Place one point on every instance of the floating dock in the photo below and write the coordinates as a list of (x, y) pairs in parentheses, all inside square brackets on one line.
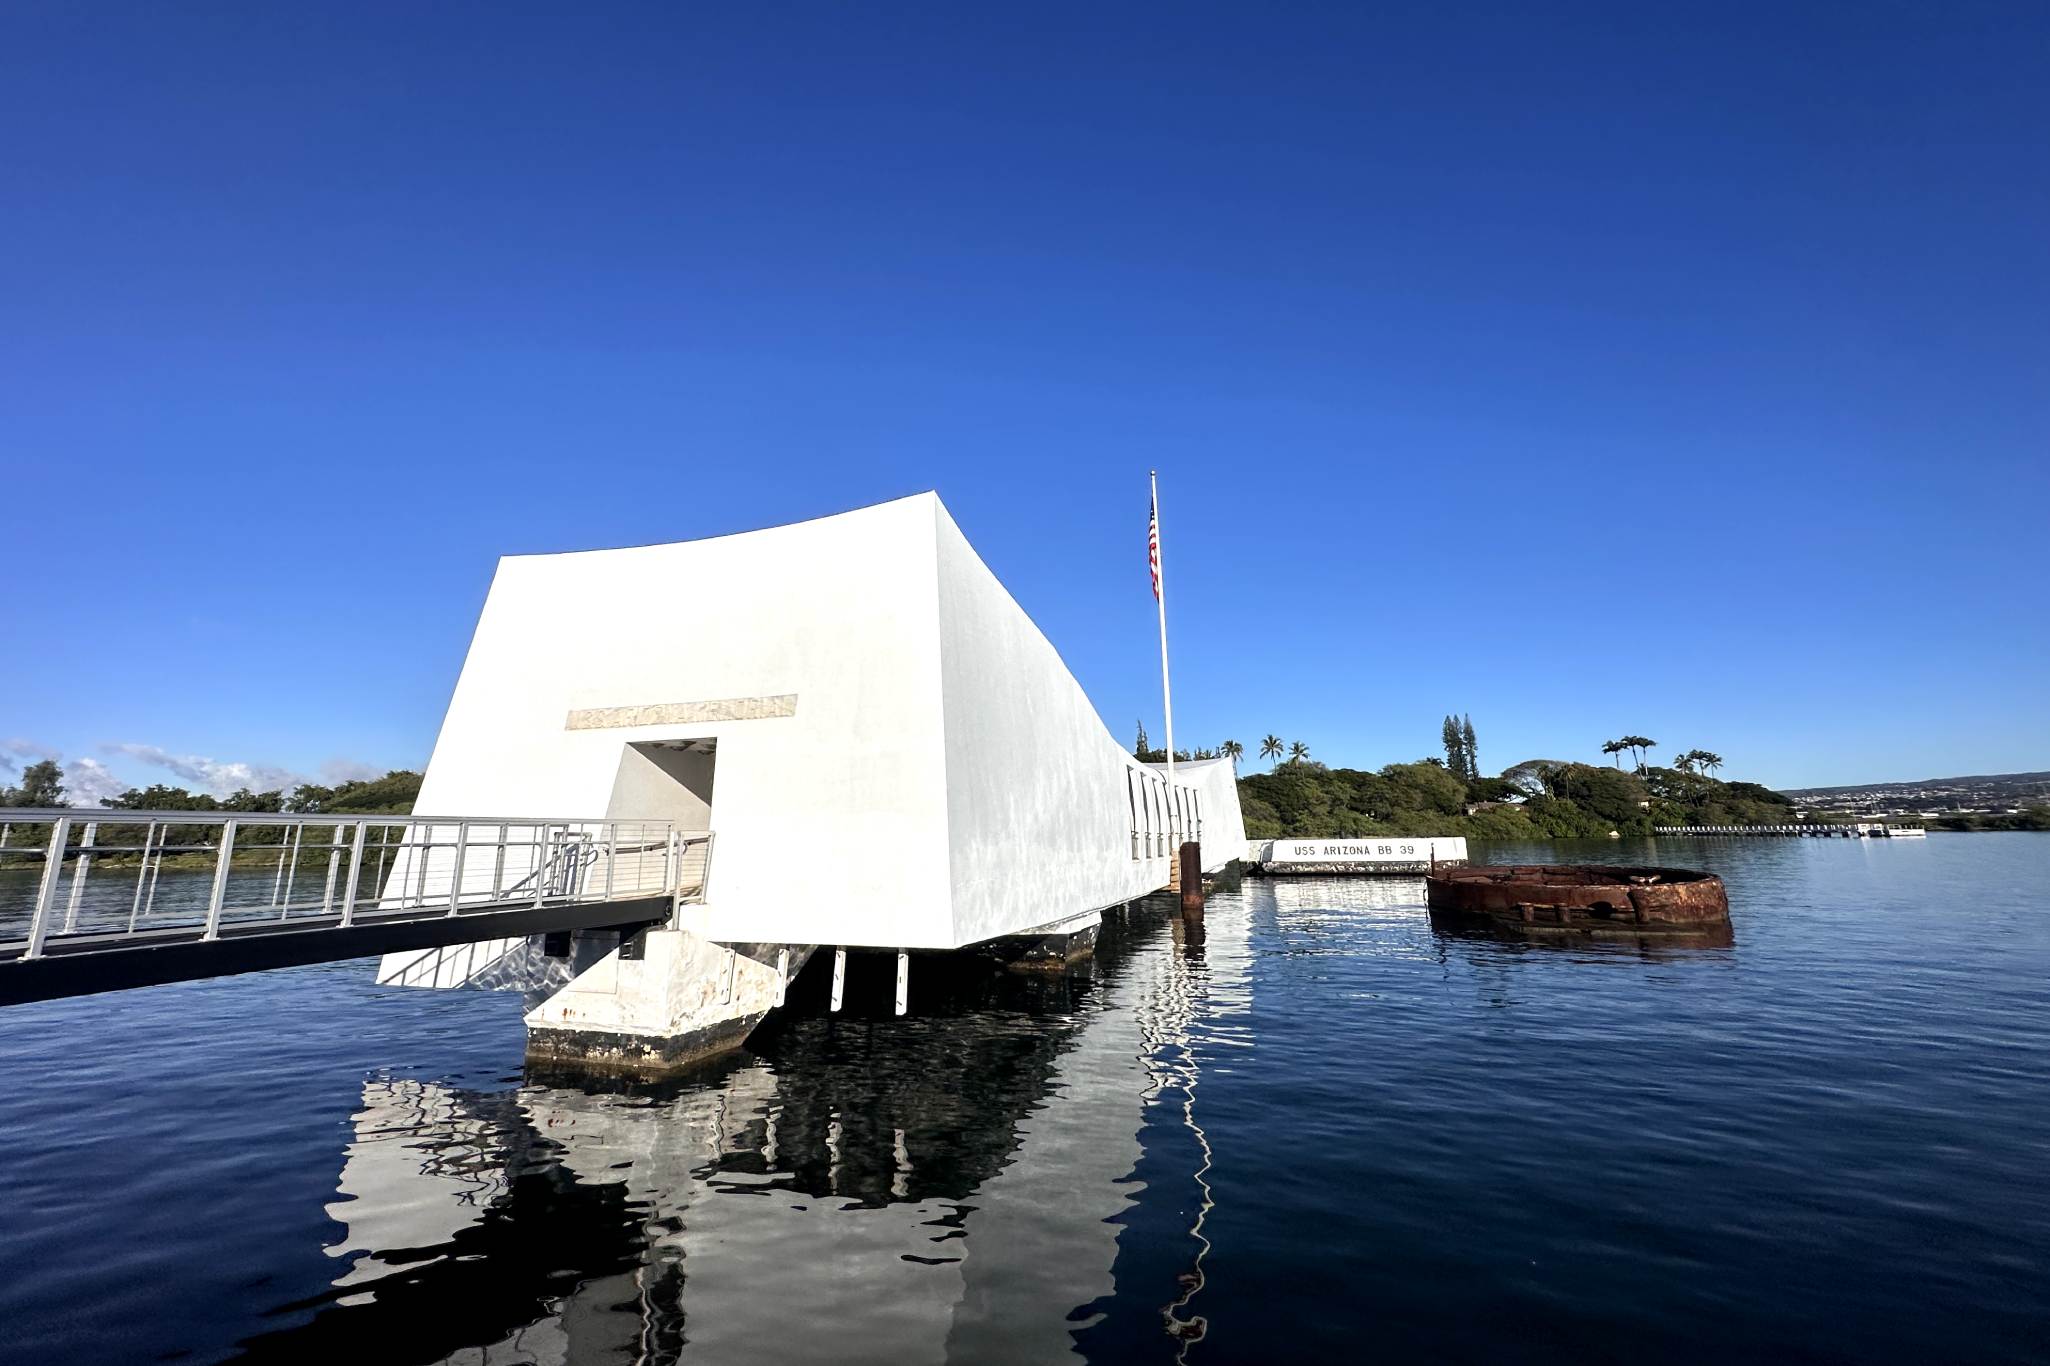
[(1855, 830)]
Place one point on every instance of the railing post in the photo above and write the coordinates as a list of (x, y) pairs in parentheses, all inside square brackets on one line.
[(355, 873), (46, 895), (705, 874), (540, 866), (334, 858), (425, 852), (611, 854), (85, 866), (292, 876), (675, 874), (455, 884), (220, 888), (149, 838), (277, 884), (579, 868)]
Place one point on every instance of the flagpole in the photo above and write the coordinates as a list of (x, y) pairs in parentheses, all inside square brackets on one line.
[(1160, 597)]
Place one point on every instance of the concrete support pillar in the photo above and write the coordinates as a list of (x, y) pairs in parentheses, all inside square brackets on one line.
[(681, 1001), (1191, 861)]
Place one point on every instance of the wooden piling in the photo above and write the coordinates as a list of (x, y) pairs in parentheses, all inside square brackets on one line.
[(1192, 881)]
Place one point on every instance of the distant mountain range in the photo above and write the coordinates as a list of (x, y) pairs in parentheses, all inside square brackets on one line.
[(1990, 792)]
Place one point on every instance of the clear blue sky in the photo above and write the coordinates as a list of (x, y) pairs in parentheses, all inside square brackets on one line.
[(1588, 371)]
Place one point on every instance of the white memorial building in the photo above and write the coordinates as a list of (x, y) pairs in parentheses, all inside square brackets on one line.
[(887, 752)]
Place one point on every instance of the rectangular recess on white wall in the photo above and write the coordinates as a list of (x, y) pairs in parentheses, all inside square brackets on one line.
[(1132, 805), (683, 713)]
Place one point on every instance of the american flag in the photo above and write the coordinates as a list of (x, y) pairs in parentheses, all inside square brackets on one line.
[(1153, 544)]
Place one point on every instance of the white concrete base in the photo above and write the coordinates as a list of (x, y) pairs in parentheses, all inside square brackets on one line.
[(682, 1000), (1089, 921)]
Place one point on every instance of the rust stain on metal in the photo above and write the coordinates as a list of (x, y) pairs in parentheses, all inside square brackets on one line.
[(1190, 858), (1585, 896)]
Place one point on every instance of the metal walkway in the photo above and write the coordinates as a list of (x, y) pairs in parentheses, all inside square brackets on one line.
[(102, 900)]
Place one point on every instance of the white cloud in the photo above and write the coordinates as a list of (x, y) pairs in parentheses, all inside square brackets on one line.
[(88, 782), (335, 772), (219, 777), (17, 753)]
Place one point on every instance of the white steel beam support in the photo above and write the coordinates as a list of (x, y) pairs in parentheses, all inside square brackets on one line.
[(46, 895), (142, 878), (355, 873), (455, 881), (85, 866), (220, 887)]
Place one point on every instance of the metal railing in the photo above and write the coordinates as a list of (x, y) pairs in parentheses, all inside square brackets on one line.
[(111, 873)]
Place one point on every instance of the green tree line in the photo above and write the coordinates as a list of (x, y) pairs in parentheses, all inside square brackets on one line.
[(42, 784), (393, 794), (1536, 799), (2036, 817)]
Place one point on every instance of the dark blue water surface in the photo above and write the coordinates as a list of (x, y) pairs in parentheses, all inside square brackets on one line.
[(1321, 1130)]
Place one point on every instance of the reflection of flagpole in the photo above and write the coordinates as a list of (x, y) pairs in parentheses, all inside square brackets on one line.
[(1167, 1023), (1160, 600)]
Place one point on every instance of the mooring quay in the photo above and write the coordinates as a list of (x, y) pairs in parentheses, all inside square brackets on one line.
[(1868, 830), (893, 755)]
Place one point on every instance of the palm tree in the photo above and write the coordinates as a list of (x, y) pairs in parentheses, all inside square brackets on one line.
[(1297, 752), (1697, 761), (1271, 747), (1637, 744), (1615, 747), (1232, 749)]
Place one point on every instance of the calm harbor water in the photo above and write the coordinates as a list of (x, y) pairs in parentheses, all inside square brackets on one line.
[(1327, 1130)]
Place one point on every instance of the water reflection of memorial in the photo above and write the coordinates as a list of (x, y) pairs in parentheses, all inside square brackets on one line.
[(1308, 915), (928, 1185)]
